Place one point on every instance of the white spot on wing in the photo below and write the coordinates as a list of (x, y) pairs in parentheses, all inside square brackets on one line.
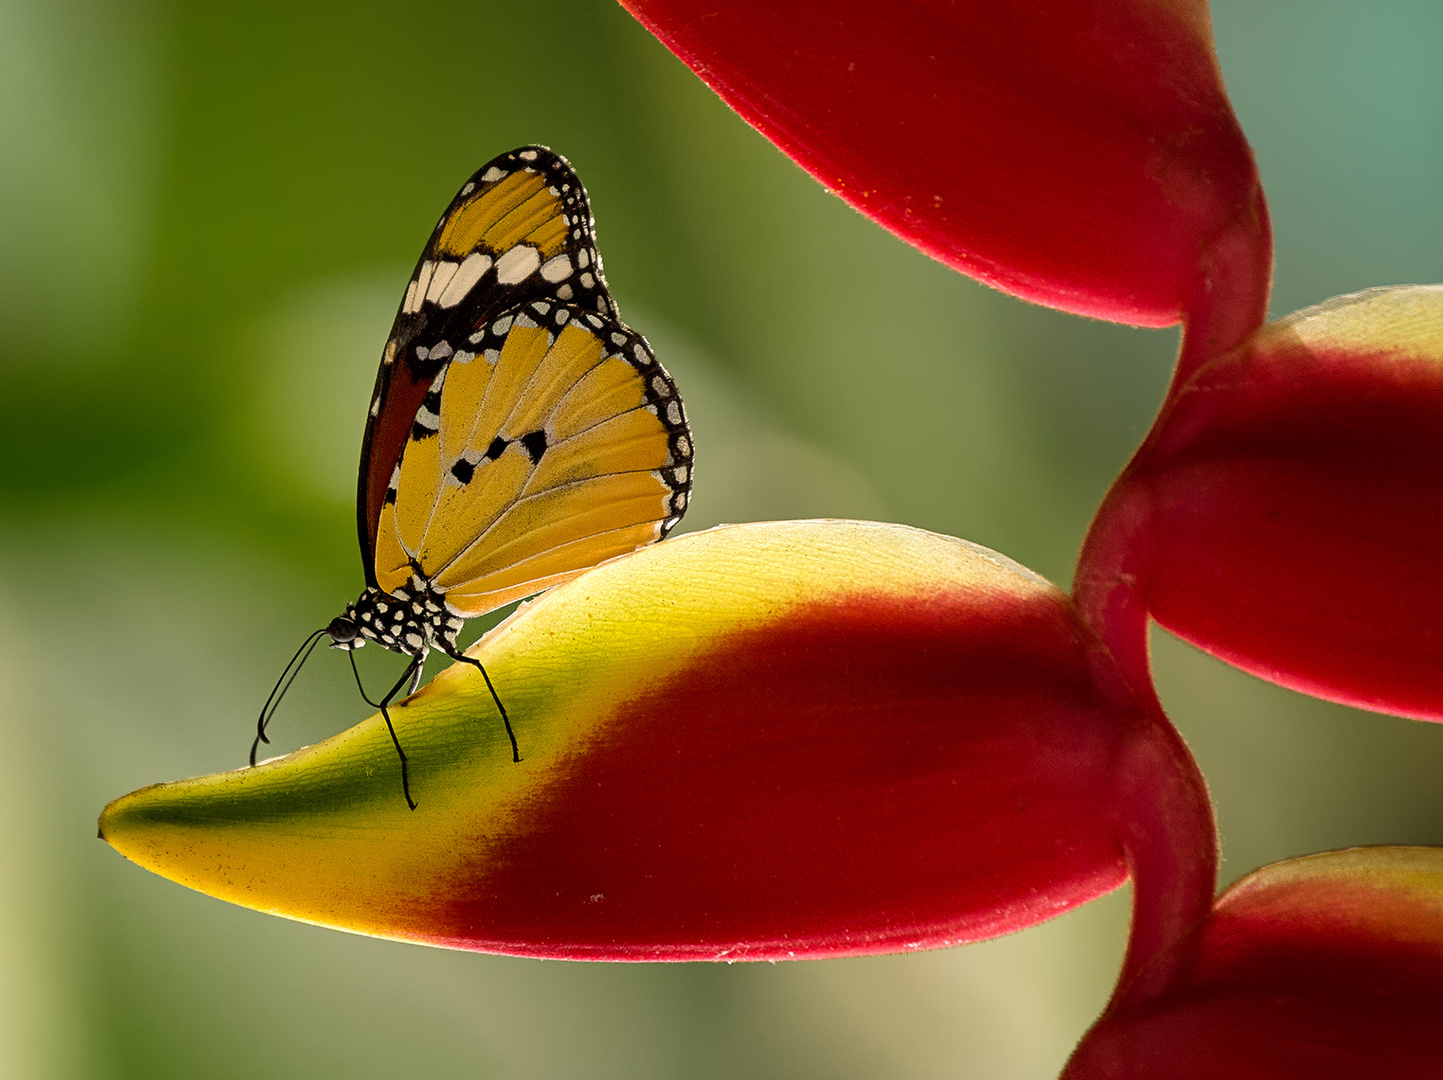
[(557, 269), (440, 278), (491, 175), (517, 264), (423, 282), (411, 305), (466, 276)]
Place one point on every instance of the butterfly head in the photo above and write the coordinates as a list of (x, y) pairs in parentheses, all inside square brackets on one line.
[(344, 632)]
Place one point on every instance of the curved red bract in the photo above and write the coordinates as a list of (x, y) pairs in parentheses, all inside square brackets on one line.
[(1285, 514), (1081, 155), (1326, 977), (860, 779), (757, 742)]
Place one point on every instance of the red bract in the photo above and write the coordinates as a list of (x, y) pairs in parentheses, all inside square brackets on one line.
[(1286, 512), (1323, 968), (1081, 155), (759, 742)]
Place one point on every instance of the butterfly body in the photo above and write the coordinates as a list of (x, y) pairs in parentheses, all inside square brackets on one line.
[(519, 432), (411, 621)]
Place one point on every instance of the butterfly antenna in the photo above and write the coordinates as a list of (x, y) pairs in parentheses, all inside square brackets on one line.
[(288, 676), (410, 672)]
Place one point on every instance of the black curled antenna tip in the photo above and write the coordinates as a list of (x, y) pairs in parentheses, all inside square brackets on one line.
[(288, 676)]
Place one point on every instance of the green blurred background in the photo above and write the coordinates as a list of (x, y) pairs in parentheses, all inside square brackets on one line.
[(207, 215)]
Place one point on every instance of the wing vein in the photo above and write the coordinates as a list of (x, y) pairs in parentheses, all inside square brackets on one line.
[(531, 497)]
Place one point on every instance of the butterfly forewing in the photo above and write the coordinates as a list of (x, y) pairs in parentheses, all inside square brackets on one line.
[(551, 441), (520, 228)]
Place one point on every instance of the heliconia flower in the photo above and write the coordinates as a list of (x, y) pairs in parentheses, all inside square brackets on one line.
[(1082, 155), (1321, 968), (1286, 511), (783, 740)]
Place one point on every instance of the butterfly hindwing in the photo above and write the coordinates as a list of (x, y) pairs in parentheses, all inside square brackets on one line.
[(519, 229), (549, 440)]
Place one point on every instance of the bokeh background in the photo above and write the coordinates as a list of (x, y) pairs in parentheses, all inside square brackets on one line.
[(208, 211)]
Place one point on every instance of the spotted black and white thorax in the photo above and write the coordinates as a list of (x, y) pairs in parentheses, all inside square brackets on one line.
[(411, 621)]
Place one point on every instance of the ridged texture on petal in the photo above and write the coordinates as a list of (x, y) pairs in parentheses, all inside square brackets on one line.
[(795, 739), (1322, 968), (1286, 514), (1081, 155)]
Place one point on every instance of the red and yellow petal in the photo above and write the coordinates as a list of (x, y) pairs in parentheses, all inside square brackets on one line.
[(793, 739), (1321, 968), (1082, 155), (1286, 512)]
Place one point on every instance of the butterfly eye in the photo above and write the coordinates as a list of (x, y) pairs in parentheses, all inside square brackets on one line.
[(342, 631)]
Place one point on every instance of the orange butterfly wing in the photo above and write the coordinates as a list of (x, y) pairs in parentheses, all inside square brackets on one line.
[(519, 229), (549, 441)]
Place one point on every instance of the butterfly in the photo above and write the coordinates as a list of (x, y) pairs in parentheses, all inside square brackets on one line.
[(519, 433)]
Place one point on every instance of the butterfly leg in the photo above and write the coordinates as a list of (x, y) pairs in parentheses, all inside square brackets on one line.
[(463, 658), (416, 678), (410, 673)]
